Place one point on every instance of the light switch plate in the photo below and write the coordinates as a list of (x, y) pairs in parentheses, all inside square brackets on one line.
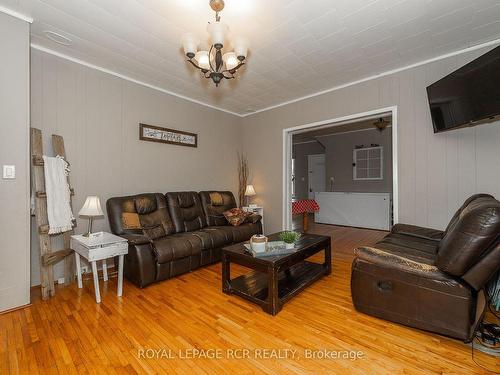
[(9, 171)]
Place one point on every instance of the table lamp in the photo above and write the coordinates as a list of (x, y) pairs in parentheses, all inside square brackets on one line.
[(249, 192), (91, 208)]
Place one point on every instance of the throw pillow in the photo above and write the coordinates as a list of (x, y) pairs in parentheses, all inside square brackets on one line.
[(236, 216), (216, 199), (130, 220)]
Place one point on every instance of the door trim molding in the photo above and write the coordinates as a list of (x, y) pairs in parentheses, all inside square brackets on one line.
[(287, 157)]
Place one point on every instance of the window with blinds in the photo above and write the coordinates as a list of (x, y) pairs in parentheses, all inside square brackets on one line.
[(368, 163)]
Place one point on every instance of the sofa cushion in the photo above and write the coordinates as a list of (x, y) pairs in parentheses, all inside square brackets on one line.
[(186, 211), (150, 208), (175, 247), (244, 231), (414, 248), (145, 204), (474, 232), (469, 200), (204, 238), (415, 231), (214, 210), (218, 237), (223, 232), (153, 232), (240, 233)]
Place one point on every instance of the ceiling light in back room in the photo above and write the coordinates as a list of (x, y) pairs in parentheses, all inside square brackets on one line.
[(58, 38)]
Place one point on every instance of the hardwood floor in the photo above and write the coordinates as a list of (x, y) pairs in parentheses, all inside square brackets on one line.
[(72, 334)]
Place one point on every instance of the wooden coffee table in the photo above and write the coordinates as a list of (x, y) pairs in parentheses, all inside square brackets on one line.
[(276, 279)]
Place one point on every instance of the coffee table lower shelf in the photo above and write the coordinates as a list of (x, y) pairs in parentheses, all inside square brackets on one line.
[(254, 286)]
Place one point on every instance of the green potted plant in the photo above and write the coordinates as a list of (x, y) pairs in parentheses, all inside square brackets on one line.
[(289, 237)]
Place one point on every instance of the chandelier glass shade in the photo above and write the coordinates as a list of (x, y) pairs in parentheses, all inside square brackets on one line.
[(217, 62)]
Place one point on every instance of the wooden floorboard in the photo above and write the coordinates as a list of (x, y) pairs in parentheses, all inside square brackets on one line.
[(70, 333)]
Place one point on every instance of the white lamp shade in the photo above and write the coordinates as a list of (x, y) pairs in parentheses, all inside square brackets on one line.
[(189, 43), (217, 31), (91, 207), (230, 60), (203, 59), (241, 47), (250, 191)]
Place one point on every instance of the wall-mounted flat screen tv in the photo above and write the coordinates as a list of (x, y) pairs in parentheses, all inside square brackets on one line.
[(468, 95)]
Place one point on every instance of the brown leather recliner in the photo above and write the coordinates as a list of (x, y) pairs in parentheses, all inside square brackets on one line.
[(171, 234), (430, 279)]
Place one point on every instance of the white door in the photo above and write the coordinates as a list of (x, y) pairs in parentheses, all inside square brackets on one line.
[(316, 174)]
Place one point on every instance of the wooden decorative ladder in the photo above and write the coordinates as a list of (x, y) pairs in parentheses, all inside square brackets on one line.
[(48, 257)]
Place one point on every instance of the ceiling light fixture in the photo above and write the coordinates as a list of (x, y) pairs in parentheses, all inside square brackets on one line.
[(213, 63), (381, 124)]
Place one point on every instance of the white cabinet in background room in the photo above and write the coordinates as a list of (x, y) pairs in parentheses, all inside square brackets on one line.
[(363, 210)]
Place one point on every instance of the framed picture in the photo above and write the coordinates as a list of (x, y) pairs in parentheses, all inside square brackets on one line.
[(164, 135)]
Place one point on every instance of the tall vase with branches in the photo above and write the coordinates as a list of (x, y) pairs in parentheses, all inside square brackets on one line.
[(242, 177)]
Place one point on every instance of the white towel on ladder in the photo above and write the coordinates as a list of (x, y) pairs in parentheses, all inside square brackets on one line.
[(58, 194)]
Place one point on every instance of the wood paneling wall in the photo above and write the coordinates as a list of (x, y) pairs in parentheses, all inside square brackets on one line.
[(14, 150), (436, 171), (98, 115)]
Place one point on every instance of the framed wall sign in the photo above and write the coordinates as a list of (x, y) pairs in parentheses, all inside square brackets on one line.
[(164, 135)]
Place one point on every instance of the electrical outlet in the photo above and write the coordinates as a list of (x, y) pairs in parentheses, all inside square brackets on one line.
[(60, 280)]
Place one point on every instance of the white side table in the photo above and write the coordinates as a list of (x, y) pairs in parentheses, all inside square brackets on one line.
[(96, 249), (256, 210)]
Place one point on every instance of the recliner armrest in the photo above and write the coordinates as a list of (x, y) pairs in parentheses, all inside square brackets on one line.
[(420, 232), (136, 239), (385, 259)]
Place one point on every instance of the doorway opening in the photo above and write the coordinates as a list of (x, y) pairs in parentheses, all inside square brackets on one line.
[(348, 166)]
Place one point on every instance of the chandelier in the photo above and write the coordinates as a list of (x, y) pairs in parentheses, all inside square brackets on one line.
[(217, 62)]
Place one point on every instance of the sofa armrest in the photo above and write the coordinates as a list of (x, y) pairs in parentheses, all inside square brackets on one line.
[(420, 232), (253, 219), (136, 239), (385, 259), (140, 264)]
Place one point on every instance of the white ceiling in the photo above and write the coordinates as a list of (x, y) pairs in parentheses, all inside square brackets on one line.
[(297, 47)]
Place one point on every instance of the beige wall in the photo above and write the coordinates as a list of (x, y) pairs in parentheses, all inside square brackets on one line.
[(99, 115), (14, 135), (339, 158), (436, 171)]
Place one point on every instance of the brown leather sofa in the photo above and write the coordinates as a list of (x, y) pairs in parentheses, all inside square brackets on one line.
[(174, 233), (429, 279)]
